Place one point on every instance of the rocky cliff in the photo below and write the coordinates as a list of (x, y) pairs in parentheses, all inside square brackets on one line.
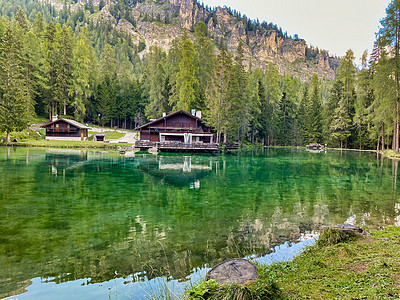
[(158, 22)]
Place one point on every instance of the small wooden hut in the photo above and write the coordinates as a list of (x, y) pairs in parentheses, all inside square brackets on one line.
[(67, 130)]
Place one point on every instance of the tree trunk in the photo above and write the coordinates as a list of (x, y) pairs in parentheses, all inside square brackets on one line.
[(65, 108), (341, 144), (397, 129), (8, 138), (383, 137), (378, 143)]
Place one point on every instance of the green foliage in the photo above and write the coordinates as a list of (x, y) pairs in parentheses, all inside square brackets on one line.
[(261, 289), (390, 232), (362, 268), (333, 236)]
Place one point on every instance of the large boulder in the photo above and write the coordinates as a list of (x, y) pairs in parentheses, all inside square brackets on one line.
[(239, 271)]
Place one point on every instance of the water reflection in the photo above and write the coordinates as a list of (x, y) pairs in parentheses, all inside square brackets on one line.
[(67, 216)]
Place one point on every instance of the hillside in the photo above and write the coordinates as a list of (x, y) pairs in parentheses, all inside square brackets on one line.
[(158, 23)]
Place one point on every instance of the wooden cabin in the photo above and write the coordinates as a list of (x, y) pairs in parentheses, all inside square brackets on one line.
[(178, 131), (67, 130)]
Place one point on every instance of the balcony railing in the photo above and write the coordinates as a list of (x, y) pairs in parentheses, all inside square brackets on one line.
[(62, 130)]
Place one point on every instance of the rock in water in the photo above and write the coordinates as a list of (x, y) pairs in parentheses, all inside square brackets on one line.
[(238, 271), (348, 228)]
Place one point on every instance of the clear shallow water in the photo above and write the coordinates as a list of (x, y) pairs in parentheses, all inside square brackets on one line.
[(103, 225)]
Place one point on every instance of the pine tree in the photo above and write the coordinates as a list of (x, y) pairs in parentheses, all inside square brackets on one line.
[(314, 123), (340, 125), (63, 67), (186, 81), (302, 119), (389, 38), (286, 112), (347, 74), (365, 98), (156, 84), (204, 63), (49, 66), (218, 94), (240, 108), (84, 74), (15, 100), (269, 105)]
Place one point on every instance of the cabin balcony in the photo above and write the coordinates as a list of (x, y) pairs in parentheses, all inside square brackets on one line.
[(62, 130)]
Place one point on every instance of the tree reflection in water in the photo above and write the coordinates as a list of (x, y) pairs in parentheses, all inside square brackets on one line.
[(73, 215)]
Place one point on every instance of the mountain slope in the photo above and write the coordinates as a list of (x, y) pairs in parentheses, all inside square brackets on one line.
[(159, 22)]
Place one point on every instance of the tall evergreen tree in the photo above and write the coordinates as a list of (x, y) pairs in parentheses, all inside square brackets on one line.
[(389, 38), (186, 81), (15, 100), (314, 115), (84, 74), (63, 67), (156, 84), (218, 94), (204, 62)]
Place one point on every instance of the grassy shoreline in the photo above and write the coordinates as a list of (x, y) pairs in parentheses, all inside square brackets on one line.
[(358, 267), (66, 144)]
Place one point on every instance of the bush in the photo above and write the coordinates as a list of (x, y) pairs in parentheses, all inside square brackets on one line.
[(334, 236), (261, 289)]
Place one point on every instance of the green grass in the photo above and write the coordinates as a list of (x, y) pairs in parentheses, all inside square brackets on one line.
[(67, 144), (113, 135), (338, 267), (361, 268)]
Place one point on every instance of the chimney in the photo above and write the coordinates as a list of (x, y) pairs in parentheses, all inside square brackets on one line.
[(164, 114), (54, 118), (193, 112), (198, 114)]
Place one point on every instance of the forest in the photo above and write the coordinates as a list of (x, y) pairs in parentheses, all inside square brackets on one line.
[(67, 64)]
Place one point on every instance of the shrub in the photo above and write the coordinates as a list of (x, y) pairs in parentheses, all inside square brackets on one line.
[(334, 236)]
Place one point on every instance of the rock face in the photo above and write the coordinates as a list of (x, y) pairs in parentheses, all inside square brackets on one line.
[(159, 22), (239, 271)]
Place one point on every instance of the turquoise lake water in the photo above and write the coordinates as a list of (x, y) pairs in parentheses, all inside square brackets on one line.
[(101, 225)]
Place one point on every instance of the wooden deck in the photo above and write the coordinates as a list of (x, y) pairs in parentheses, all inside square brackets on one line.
[(182, 147)]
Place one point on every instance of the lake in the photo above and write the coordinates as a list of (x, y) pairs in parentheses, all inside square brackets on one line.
[(100, 225)]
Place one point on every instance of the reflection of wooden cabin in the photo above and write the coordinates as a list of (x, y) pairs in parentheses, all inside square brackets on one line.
[(179, 131), (65, 129), (314, 146)]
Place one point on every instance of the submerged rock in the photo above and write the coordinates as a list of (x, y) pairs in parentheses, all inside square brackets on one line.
[(239, 271)]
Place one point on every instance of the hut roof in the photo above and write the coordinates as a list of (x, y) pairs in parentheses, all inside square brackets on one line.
[(72, 122), (171, 115)]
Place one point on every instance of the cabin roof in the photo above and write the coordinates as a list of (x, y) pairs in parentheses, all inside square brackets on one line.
[(171, 115), (72, 122)]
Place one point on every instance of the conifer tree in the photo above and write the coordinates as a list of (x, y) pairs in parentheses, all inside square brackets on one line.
[(269, 105), (156, 84), (204, 62), (389, 38), (49, 66), (286, 112), (63, 67), (186, 81), (15, 100), (84, 74), (218, 94), (302, 119), (340, 125), (314, 123), (240, 108)]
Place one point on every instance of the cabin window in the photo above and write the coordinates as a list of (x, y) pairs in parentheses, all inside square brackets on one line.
[(57, 125)]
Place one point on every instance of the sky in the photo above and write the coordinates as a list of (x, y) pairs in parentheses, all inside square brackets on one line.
[(333, 25)]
